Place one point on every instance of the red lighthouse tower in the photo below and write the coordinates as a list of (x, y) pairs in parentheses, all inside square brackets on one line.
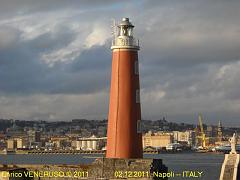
[(124, 127)]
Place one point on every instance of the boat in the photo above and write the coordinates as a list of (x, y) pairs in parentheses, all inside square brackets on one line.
[(174, 147), (9, 152), (226, 148)]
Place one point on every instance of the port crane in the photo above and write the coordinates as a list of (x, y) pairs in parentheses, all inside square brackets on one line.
[(201, 134)]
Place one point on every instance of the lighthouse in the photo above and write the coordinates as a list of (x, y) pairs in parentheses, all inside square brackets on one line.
[(124, 137)]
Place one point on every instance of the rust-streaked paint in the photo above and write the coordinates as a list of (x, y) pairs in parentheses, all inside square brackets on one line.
[(123, 139)]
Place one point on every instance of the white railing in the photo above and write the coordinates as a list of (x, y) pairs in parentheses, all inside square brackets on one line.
[(125, 41)]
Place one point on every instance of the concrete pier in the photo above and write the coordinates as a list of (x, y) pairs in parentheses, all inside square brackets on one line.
[(142, 169), (230, 167), (102, 168)]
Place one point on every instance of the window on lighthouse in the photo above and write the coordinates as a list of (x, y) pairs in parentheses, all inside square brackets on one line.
[(137, 96), (136, 68), (126, 31), (139, 126), (130, 31)]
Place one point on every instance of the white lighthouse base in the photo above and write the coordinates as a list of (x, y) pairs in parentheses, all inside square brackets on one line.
[(229, 169)]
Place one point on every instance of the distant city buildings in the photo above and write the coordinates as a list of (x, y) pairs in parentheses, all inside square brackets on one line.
[(161, 139), (33, 136), (91, 143), (83, 134), (185, 137), (11, 144), (157, 140), (219, 132), (21, 143)]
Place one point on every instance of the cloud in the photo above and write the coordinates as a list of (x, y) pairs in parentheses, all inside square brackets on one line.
[(10, 8), (21, 72), (8, 36), (51, 107)]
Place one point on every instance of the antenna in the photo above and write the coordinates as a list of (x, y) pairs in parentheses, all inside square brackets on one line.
[(114, 28)]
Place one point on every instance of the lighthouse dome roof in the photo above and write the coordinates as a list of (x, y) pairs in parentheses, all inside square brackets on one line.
[(125, 22)]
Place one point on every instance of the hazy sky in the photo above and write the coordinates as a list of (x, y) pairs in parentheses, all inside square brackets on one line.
[(55, 58)]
